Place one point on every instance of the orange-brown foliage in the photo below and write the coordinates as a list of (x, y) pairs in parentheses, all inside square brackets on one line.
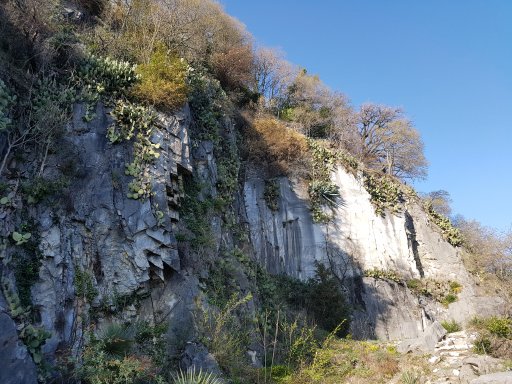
[(283, 150), (234, 67)]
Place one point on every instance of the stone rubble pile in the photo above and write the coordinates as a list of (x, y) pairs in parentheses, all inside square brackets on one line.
[(454, 361)]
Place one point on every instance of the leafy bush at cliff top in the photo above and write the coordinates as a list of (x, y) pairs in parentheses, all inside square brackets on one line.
[(163, 80)]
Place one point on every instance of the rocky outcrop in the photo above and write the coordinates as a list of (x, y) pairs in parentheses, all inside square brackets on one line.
[(127, 251), (287, 241), (453, 360), (494, 378), (125, 248)]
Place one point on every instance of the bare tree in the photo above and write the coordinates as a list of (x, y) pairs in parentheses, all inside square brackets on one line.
[(273, 75), (390, 142), (318, 110), (490, 250), (440, 201)]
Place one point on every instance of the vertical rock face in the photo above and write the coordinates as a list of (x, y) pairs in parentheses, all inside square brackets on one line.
[(287, 241), (16, 365), (126, 248)]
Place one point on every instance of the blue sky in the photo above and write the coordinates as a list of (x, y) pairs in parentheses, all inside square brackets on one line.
[(448, 63)]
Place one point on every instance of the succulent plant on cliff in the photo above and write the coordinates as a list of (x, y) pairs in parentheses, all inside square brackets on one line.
[(450, 233), (191, 376), (21, 238)]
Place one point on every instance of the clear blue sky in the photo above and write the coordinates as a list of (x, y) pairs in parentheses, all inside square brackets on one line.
[(448, 63)]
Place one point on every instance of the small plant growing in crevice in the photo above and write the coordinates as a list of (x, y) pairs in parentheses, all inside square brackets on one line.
[(34, 338), (443, 291), (84, 285), (21, 238), (384, 275), (409, 377), (131, 120), (451, 326), (482, 345), (7, 99), (271, 194)]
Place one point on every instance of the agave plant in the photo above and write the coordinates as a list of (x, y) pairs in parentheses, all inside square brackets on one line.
[(191, 376), (117, 339)]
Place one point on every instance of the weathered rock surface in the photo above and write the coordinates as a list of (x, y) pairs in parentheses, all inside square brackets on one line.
[(453, 360), (196, 355), (288, 241), (426, 341), (125, 247), (494, 378), (16, 364)]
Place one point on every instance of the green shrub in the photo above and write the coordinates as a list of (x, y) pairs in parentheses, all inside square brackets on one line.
[(34, 338), (128, 119), (325, 192), (39, 189), (163, 80), (21, 238), (110, 358), (99, 368), (449, 299), (409, 377), (224, 335), (384, 275), (280, 373), (103, 75), (413, 284), (191, 376), (151, 340), (116, 340), (482, 345), (451, 326), (84, 285), (322, 191), (444, 292), (455, 287), (326, 302), (499, 326), (135, 120)]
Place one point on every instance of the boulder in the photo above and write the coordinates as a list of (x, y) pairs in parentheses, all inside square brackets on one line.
[(494, 378), (425, 342)]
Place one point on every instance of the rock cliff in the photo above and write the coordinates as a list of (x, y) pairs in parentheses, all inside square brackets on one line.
[(103, 254)]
